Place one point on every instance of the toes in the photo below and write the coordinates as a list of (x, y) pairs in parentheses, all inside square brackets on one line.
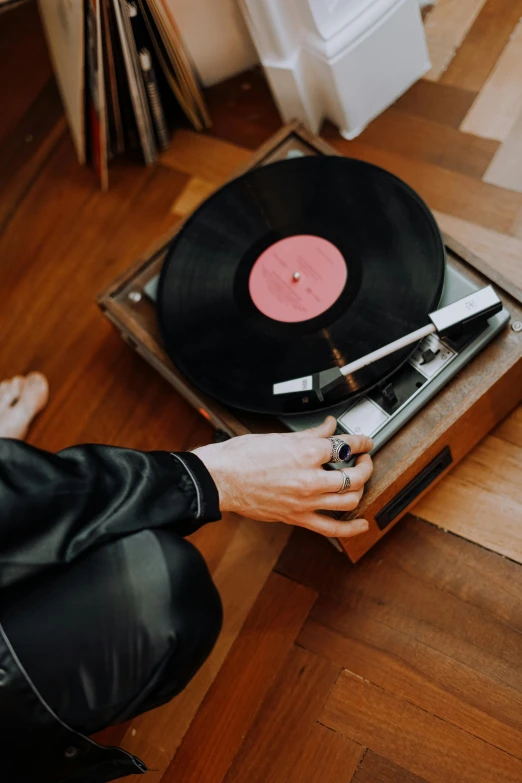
[(35, 393), (3, 391), (17, 387), (10, 391), (20, 400)]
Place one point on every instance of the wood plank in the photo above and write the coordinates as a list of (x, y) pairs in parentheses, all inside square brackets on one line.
[(449, 21), (516, 226), (447, 191), (409, 582), (440, 54), (432, 142), (446, 27), (417, 673), (377, 769), (437, 102), (204, 157), (501, 251), (97, 245), (243, 109), (497, 107), (25, 66), (411, 737), (25, 151), (98, 420), (108, 242), (425, 553), (511, 428), (275, 743), (195, 192), (459, 508), (248, 672), (29, 256), (482, 269), (483, 45), (505, 169), (482, 489), (327, 757), (451, 674)]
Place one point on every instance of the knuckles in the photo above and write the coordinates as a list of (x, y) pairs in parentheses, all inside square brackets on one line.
[(311, 453), (299, 487), (308, 486)]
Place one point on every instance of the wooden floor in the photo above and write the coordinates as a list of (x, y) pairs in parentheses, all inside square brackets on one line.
[(476, 46), (405, 668)]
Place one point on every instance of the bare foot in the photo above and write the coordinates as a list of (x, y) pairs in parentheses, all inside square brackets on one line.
[(21, 399)]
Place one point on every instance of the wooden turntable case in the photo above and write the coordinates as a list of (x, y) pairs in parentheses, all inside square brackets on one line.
[(436, 439)]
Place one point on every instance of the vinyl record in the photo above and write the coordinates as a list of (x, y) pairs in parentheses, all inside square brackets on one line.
[(294, 268)]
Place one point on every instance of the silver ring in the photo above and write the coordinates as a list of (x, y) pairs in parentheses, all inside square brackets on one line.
[(346, 483), (340, 450)]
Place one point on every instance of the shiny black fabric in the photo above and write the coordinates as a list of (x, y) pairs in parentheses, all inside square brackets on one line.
[(105, 609)]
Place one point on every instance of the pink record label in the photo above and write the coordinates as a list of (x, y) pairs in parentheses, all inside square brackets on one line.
[(297, 278)]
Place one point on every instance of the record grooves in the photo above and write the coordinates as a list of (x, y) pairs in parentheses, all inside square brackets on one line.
[(293, 268)]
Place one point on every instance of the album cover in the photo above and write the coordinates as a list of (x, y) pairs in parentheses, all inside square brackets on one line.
[(64, 26), (124, 75)]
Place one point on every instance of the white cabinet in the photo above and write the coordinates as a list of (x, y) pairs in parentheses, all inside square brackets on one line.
[(344, 60)]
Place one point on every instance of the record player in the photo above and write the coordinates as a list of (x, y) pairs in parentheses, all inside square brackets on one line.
[(425, 407)]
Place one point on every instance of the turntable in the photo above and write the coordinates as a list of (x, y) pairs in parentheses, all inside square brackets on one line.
[(255, 354)]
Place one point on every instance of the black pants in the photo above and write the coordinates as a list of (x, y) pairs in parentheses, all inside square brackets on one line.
[(119, 631)]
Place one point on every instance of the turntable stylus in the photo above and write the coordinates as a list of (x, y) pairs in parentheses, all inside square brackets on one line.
[(478, 306)]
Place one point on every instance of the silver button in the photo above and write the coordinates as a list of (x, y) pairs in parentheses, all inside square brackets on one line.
[(71, 752), (4, 677)]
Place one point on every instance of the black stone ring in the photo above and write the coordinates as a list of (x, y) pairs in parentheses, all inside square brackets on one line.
[(340, 450)]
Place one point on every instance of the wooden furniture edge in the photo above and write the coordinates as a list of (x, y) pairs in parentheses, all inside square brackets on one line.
[(485, 269), (503, 389), (217, 414)]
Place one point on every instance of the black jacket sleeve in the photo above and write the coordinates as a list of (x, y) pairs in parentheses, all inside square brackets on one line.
[(54, 507)]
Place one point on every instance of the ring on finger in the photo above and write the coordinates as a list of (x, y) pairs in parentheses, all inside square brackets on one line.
[(340, 450), (346, 482)]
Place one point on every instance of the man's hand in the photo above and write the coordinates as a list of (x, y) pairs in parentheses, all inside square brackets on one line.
[(280, 477)]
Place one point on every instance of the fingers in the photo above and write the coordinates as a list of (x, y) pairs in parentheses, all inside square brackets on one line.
[(348, 501), (323, 430), (323, 486), (332, 480), (332, 527), (321, 448), (359, 444)]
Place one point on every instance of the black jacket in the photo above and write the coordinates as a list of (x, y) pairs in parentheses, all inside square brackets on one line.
[(55, 508)]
